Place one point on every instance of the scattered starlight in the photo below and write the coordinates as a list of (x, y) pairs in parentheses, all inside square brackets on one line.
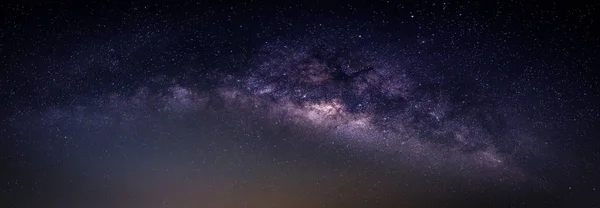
[(378, 104)]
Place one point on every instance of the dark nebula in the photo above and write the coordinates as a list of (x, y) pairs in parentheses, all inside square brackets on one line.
[(307, 104)]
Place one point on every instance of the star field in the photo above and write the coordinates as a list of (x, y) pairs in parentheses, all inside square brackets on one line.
[(306, 104)]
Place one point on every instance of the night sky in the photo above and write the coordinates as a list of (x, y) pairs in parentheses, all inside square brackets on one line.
[(305, 104)]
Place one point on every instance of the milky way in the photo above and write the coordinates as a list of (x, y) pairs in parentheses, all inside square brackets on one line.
[(370, 100), (249, 105)]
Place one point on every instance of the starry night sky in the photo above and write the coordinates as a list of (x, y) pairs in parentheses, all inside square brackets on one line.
[(305, 104)]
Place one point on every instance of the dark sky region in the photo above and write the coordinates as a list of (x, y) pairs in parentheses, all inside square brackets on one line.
[(299, 104)]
